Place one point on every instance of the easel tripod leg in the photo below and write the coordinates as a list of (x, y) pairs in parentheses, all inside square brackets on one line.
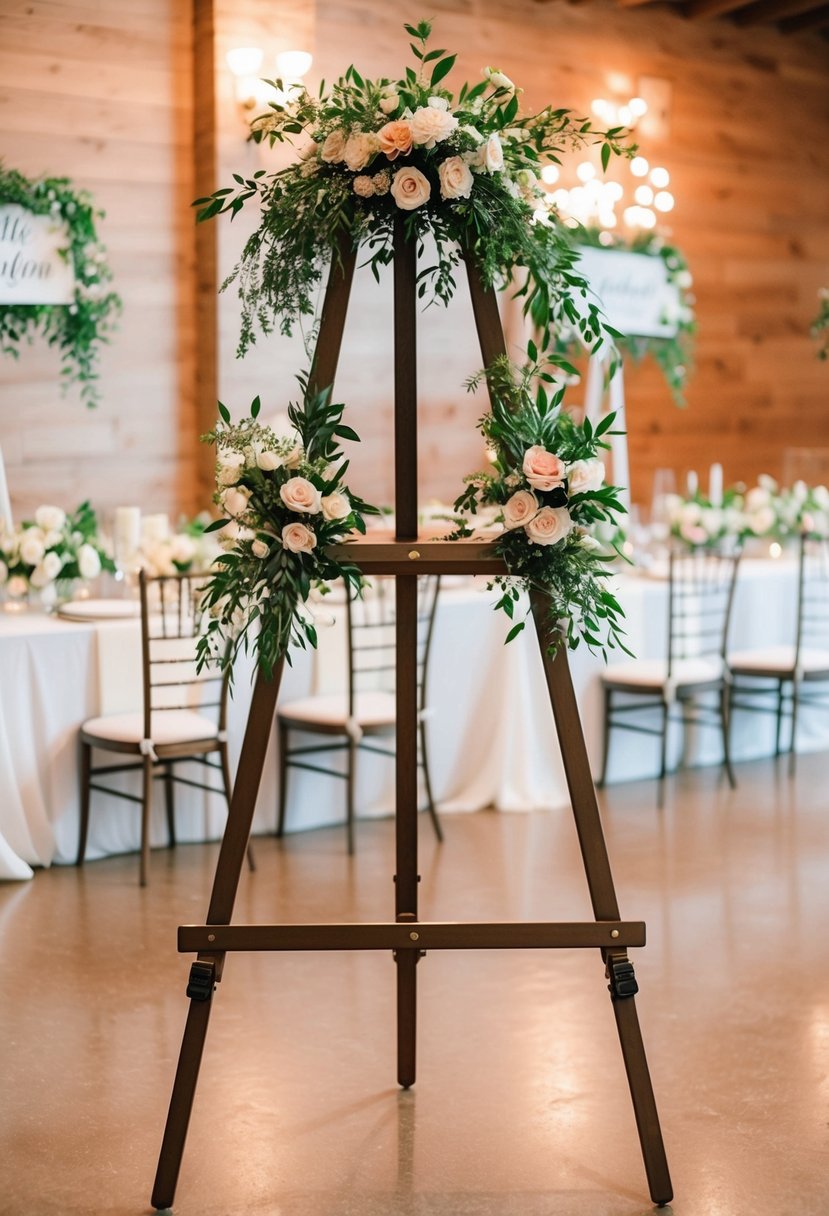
[(406, 876)]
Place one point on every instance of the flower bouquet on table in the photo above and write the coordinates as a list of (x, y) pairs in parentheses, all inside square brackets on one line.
[(547, 479), (283, 501), (698, 522), (52, 552), (460, 168), (780, 513), (192, 548)]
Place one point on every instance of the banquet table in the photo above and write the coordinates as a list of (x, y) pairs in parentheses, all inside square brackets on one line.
[(491, 739)]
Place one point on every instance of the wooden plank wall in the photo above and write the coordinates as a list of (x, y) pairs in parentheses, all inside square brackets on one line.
[(748, 149), (101, 92)]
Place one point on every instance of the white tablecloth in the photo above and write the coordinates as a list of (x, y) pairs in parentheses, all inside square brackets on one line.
[(491, 735)]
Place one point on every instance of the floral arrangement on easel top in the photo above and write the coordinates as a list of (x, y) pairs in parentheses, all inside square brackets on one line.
[(548, 480), (80, 328), (673, 354), (283, 501), (461, 169)]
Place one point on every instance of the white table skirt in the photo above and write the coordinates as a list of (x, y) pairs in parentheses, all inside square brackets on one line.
[(491, 737)]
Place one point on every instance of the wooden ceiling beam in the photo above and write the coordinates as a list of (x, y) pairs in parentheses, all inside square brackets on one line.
[(712, 8), (776, 10), (808, 21)]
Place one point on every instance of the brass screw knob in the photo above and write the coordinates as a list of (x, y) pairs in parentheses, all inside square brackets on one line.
[(211, 937), (414, 936), (614, 932), (413, 555)]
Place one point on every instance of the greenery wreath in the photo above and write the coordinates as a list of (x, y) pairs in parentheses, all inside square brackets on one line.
[(79, 328)]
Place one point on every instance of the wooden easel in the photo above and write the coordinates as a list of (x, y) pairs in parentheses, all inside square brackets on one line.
[(407, 937)]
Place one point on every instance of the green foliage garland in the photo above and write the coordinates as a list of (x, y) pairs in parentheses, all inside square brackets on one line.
[(79, 328)]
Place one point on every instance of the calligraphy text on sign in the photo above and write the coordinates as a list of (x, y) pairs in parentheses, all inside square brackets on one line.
[(633, 291), (32, 267)]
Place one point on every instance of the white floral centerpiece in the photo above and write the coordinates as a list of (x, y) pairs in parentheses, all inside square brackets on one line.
[(547, 479), (51, 552), (192, 547), (766, 511)]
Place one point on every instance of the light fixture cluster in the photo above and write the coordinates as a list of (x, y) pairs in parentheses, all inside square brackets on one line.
[(614, 114), (595, 201), (245, 64)]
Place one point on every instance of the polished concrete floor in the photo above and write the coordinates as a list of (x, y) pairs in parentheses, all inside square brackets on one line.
[(521, 1106)]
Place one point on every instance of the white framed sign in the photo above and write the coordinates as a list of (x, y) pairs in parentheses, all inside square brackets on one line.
[(32, 269), (632, 290)]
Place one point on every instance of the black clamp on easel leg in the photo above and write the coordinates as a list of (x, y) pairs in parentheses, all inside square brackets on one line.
[(202, 981), (620, 972)]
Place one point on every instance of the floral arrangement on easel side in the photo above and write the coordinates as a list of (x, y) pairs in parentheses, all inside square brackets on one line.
[(78, 329), (50, 553), (459, 169), (283, 501), (547, 478)]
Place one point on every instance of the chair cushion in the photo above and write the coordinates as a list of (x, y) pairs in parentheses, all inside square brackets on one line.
[(371, 709), (173, 726), (777, 659), (652, 674)]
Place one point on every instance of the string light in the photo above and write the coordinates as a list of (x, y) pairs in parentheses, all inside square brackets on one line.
[(550, 174), (643, 195), (660, 177), (585, 171), (664, 201), (639, 166)]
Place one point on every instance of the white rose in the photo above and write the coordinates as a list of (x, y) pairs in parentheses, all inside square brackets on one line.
[(268, 461), (363, 186), (32, 547), (298, 494), (409, 188), (50, 519), (520, 509), (549, 526), (4, 572), (493, 157), (235, 500), (309, 150), (89, 561), (761, 521), (359, 149), (51, 538), (298, 539), (335, 506), (585, 476), (684, 279), (259, 549), (333, 149), (294, 458), (455, 178), (430, 126), (51, 566), (821, 497), (182, 549), (229, 468), (498, 80), (757, 497), (389, 104), (17, 586), (473, 132)]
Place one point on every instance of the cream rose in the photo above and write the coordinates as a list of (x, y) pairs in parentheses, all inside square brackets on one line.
[(389, 104), (32, 547), (298, 539), (298, 494), (268, 461), (520, 509), (359, 149), (335, 506), (363, 186), (50, 519), (52, 565), (410, 189), (430, 125), (89, 561), (455, 178), (235, 500), (333, 149), (498, 80), (549, 526), (229, 468), (585, 476), (396, 138), (493, 156), (260, 549), (294, 458), (543, 470)]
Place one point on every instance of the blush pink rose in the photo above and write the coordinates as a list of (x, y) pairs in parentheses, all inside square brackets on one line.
[(543, 470), (299, 494), (549, 526), (410, 189), (520, 509), (396, 138), (298, 539)]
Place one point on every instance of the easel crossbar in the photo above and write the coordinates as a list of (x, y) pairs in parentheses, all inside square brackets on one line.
[(417, 935)]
